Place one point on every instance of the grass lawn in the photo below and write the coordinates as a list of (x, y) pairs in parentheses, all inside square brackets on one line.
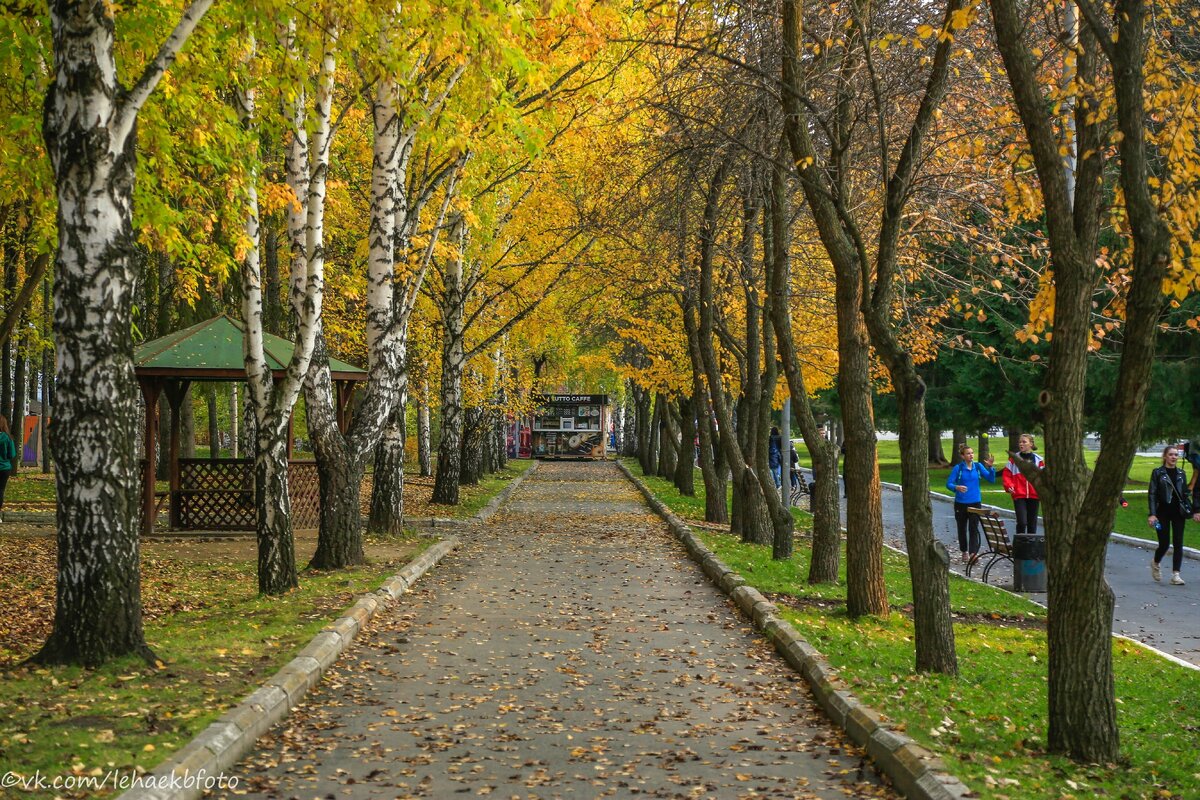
[(1130, 521), (989, 723)]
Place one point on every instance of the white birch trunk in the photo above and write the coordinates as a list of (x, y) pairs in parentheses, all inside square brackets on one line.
[(89, 132)]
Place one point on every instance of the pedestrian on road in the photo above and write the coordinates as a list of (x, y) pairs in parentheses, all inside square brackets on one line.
[(795, 459), (775, 456), (1169, 506), (1024, 496), (8, 459), (964, 482)]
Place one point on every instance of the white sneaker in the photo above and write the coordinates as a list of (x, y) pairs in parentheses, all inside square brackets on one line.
[(1176, 580), (1155, 572)]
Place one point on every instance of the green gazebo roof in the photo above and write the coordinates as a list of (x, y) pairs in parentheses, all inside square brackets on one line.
[(212, 350)]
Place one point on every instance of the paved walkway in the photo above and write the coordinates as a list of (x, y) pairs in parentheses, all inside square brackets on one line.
[(570, 649)]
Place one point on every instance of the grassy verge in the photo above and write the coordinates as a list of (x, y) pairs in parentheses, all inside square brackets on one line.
[(990, 722), (1130, 521), (218, 640), (692, 508)]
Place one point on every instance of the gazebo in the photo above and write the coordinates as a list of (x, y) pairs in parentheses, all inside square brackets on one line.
[(208, 493)]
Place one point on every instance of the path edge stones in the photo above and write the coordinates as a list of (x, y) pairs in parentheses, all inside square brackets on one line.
[(915, 772), (198, 764)]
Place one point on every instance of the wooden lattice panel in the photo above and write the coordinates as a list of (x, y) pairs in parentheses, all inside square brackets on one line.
[(226, 474), (305, 493), (216, 510)]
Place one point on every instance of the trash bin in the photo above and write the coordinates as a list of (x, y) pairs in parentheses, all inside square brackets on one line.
[(1029, 562)]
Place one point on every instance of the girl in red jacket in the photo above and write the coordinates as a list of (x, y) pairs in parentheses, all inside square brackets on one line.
[(1025, 497)]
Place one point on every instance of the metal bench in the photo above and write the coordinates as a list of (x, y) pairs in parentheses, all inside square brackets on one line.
[(998, 544)]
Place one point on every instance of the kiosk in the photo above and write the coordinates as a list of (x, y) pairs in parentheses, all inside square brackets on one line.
[(570, 426)]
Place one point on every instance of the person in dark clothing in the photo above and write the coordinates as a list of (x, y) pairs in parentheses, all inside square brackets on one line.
[(1170, 506), (964, 481), (8, 459), (775, 456), (795, 459)]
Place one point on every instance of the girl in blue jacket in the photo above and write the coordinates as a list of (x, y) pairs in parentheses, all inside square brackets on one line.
[(964, 482)]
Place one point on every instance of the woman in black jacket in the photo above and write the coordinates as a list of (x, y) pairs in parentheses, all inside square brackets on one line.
[(1169, 507)]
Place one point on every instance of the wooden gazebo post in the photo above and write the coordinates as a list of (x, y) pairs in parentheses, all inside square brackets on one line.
[(176, 391), (150, 391)]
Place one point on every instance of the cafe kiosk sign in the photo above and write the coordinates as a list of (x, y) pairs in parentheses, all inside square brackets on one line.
[(570, 426)]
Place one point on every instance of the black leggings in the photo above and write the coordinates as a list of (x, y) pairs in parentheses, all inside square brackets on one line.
[(1171, 534), (3, 485), (963, 519), (1026, 509)]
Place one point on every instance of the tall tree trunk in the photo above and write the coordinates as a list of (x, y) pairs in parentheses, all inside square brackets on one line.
[(629, 438), (685, 474), (273, 316), (187, 425), (473, 444), (276, 545), (826, 532), (668, 446), (387, 489), (424, 459), (340, 468), (20, 385), (11, 251), (214, 431), (445, 487), (47, 377), (643, 429), (89, 125), (866, 592), (937, 455), (960, 438), (654, 423), (233, 420)]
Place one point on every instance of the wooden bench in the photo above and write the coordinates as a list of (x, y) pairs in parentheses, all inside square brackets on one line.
[(998, 544)]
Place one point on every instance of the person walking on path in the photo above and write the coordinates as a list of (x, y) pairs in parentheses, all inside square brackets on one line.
[(964, 482), (1024, 496), (1169, 506), (8, 458), (775, 456)]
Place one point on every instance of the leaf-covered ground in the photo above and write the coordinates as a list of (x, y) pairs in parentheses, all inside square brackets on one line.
[(204, 618), (569, 649)]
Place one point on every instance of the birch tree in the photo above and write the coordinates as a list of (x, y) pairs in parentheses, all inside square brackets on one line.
[(90, 131), (391, 298), (271, 402)]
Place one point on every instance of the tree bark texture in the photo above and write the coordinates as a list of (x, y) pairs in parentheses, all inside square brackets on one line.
[(89, 132), (445, 487), (1079, 508), (685, 474), (424, 458), (866, 593), (474, 442), (826, 511), (387, 489)]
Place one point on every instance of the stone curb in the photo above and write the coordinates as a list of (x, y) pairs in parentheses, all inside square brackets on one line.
[(916, 773), (501, 498), (195, 768)]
